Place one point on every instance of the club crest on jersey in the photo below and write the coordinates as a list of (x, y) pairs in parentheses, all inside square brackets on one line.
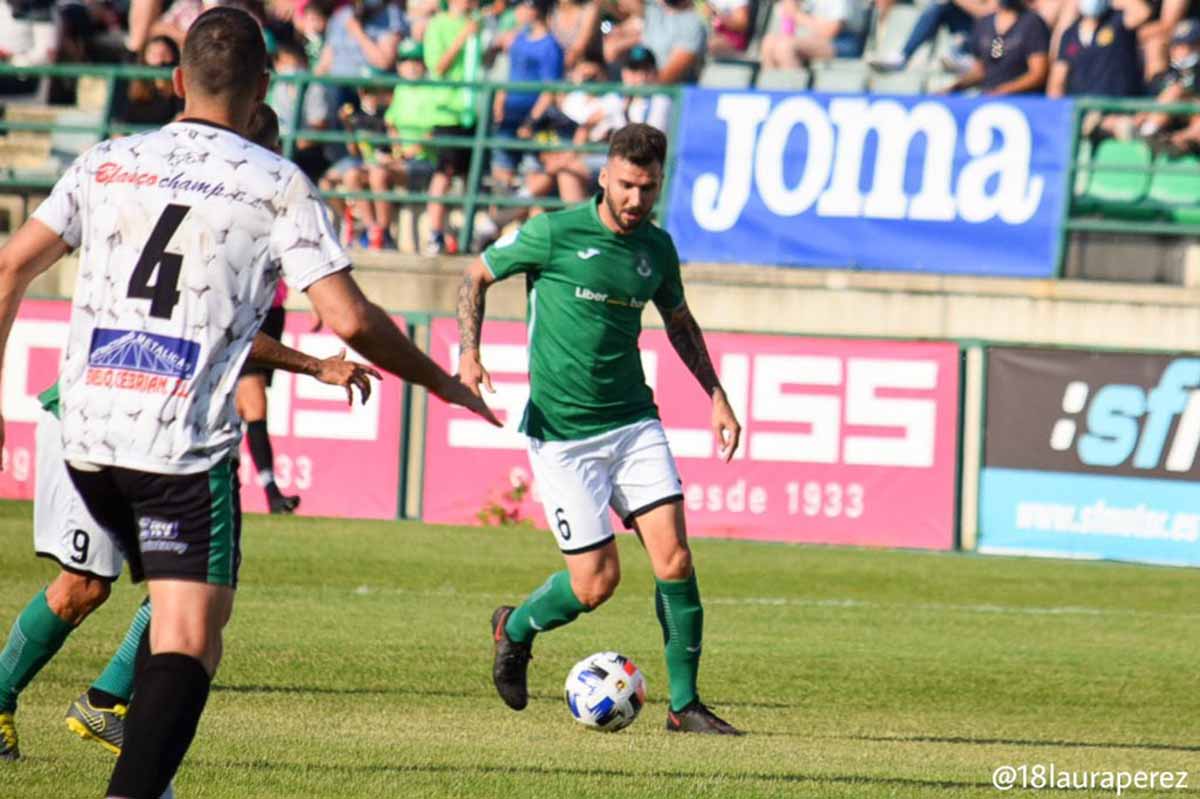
[(643, 265)]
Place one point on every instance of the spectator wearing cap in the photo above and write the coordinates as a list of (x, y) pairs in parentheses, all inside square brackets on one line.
[(640, 69), (534, 57), (671, 29), (453, 52), (1010, 48), (731, 24), (1098, 53), (1157, 35), (1177, 84), (818, 31), (409, 163)]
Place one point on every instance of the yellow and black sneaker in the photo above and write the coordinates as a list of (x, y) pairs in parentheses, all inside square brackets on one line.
[(511, 662), (8, 738), (104, 725), (696, 717)]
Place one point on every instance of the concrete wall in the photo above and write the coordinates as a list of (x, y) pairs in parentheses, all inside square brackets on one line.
[(1077, 312)]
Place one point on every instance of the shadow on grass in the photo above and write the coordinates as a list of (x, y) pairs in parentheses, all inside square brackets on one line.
[(932, 739), (567, 771), (326, 690)]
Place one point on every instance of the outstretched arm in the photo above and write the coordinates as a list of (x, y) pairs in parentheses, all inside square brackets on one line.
[(335, 370), (472, 298), (688, 340), (367, 328)]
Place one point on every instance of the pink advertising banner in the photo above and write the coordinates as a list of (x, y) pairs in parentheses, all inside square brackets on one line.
[(844, 441), (342, 461)]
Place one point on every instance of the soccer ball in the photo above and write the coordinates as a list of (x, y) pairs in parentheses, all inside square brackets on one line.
[(605, 691)]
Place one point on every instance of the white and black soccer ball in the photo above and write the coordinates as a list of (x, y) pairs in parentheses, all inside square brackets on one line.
[(605, 691)]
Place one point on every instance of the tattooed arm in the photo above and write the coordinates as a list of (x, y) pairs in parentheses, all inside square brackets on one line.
[(335, 370), (688, 341), (471, 301)]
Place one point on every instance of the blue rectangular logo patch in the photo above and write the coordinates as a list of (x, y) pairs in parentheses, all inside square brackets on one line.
[(138, 351)]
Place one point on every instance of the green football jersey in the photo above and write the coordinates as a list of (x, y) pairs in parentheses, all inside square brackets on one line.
[(587, 288)]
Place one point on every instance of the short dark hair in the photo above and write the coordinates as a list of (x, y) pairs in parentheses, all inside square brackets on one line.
[(264, 127), (224, 54), (639, 144)]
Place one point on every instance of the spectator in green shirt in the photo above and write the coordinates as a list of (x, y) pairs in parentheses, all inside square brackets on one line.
[(453, 51), (410, 163)]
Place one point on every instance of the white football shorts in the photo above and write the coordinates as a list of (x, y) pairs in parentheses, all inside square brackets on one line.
[(630, 470), (63, 529)]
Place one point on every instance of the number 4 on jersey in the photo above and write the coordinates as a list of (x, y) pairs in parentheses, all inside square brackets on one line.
[(164, 293)]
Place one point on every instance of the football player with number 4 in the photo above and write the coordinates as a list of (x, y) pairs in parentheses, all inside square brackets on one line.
[(595, 439), (184, 233)]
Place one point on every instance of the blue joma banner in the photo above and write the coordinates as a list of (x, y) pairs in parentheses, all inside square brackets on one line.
[(925, 184)]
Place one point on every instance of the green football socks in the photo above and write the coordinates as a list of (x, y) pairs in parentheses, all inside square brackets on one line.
[(117, 677), (36, 636), (552, 605), (677, 603)]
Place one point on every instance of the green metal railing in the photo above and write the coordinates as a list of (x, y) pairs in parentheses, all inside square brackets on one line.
[(473, 196), (1139, 216)]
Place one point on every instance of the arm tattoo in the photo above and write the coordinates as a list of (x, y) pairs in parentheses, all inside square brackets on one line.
[(470, 313), (688, 341)]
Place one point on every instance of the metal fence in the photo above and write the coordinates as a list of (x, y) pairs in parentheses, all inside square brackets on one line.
[(482, 139)]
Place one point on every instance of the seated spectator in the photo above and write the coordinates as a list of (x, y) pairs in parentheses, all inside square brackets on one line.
[(731, 24), (284, 96), (1010, 48), (822, 30), (576, 26), (349, 173), (671, 29), (957, 16), (1178, 84), (453, 51), (1156, 36), (534, 57), (1098, 53), (152, 102), (408, 164)]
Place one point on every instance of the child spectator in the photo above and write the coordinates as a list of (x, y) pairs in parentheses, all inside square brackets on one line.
[(453, 52), (409, 163), (350, 172), (640, 69), (312, 24), (1178, 84)]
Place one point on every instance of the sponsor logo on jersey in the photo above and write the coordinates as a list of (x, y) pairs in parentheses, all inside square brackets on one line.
[(140, 361), (112, 172), (588, 254), (139, 351), (599, 296), (159, 535)]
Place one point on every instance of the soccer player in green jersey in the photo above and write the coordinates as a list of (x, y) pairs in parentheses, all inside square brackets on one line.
[(595, 439)]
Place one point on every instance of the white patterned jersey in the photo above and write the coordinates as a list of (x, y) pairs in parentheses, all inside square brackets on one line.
[(183, 234)]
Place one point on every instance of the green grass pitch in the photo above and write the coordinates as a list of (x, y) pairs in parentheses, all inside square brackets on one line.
[(358, 665)]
